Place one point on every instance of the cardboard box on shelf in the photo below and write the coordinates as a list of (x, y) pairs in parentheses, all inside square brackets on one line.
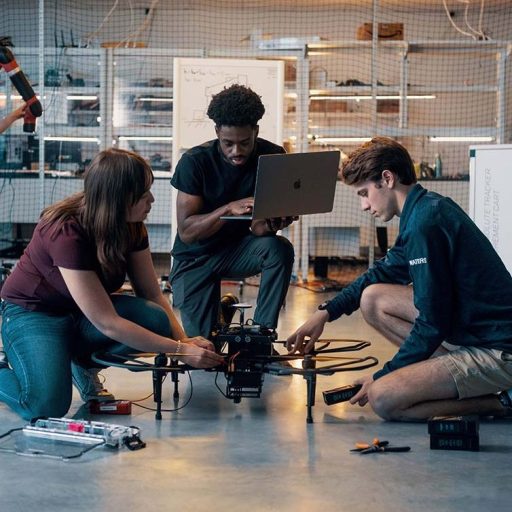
[(328, 107), (290, 72), (34, 166), (388, 106), (124, 44), (389, 31)]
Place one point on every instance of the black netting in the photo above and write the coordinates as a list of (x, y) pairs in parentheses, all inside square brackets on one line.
[(433, 70)]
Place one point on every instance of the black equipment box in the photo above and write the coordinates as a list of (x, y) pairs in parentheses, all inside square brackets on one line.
[(465, 425), (454, 433), (342, 394), (454, 442)]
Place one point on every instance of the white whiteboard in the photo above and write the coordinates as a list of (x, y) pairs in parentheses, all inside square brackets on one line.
[(195, 81), (490, 204)]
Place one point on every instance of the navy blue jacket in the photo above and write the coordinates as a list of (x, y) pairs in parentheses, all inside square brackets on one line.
[(462, 290)]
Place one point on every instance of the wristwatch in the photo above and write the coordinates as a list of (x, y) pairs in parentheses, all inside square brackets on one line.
[(323, 306)]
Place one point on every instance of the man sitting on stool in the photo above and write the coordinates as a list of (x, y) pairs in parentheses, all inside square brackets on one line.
[(218, 178)]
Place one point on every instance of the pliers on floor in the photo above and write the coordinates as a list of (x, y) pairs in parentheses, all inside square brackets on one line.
[(378, 446)]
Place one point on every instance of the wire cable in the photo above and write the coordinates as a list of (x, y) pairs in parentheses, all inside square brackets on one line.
[(187, 401), (89, 36), (218, 387), (454, 24), (146, 23)]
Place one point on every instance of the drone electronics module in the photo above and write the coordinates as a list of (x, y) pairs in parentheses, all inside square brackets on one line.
[(250, 353)]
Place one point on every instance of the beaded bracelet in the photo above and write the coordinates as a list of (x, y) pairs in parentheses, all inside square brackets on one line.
[(178, 346)]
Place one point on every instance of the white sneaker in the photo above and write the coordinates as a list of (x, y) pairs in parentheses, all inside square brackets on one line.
[(89, 384)]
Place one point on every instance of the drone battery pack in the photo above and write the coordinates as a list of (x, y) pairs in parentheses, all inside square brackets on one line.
[(454, 433), (110, 407), (464, 425), (337, 395), (454, 442)]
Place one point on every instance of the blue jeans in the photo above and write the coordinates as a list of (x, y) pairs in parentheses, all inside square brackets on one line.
[(41, 346)]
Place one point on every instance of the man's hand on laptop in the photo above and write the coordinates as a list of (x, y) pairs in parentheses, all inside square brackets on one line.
[(240, 207)]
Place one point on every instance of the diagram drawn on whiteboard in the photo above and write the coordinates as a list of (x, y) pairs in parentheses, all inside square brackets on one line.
[(199, 115), (197, 80)]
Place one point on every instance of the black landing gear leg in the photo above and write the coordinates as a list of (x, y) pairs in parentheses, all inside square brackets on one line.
[(158, 377), (310, 364), (176, 394)]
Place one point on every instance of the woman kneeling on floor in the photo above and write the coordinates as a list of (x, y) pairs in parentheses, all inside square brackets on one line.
[(59, 304)]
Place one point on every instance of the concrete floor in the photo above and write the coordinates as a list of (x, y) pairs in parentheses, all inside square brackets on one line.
[(261, 455)]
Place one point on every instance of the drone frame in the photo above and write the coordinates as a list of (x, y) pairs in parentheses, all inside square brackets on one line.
[(322, 360)]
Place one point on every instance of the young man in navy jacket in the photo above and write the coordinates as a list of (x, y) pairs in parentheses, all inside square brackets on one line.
[(441, 281)]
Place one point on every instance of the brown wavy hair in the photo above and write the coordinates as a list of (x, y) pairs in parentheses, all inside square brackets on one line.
[(115, 180), (369, 160)]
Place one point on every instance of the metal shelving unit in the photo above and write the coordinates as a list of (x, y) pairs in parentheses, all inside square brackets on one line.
[(119, 96)]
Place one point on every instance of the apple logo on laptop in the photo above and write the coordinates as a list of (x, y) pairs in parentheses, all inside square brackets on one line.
[(296, 184)]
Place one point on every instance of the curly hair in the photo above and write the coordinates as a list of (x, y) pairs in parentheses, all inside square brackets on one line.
[(236, 105)]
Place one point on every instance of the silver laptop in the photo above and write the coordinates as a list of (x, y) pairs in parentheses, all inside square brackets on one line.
[(293, 184)]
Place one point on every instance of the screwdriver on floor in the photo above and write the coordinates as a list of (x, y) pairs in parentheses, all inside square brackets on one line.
[(378, 446)]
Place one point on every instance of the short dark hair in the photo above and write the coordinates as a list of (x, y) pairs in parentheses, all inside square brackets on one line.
[(236, 105), (369, 160)]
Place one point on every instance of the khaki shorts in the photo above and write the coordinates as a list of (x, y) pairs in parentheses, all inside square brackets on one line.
[(479, 371)]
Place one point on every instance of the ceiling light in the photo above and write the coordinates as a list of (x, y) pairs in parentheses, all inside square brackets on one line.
[(81, 97), (340, 140), (73, 139), (462, 139), (146, 138), (378, 97), (163, 100)]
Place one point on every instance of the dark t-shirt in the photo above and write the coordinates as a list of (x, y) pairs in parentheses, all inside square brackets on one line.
[(202, 171), (36, 282)]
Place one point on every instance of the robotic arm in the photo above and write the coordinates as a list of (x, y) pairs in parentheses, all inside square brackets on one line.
[(20, 82)]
